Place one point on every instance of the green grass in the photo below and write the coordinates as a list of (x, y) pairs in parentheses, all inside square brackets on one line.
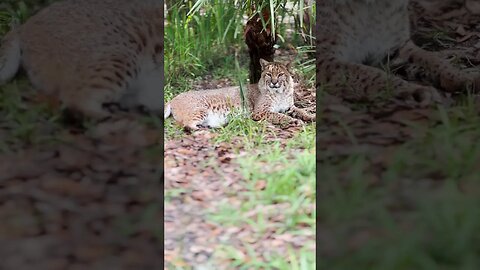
[(194, 43), (211, 38), (241, 125), (423, 214), (303, 260), (447, 149), (23, 124), (286, 175), (225, 68), (441, 233)]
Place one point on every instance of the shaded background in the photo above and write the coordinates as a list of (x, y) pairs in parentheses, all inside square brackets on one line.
[(75, 195), (399, 187)]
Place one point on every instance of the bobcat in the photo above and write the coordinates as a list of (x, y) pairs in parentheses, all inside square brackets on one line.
[(85, 54), (354, 34), (269, 100)]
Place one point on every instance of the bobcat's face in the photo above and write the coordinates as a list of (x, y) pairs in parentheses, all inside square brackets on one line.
[(276, 77)]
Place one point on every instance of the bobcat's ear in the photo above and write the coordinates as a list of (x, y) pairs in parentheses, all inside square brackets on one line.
[(263, 63), (289, 65)]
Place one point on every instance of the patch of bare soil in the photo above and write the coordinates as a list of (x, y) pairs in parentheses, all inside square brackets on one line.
[(89, 201), (207, 177)]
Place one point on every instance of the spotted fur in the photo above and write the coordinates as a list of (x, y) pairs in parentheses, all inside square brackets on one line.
[(355, 36), (271, 99), (88, 53)]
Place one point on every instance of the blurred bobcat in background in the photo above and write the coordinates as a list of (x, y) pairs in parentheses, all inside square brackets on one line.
[(90, 53), (356, 36)]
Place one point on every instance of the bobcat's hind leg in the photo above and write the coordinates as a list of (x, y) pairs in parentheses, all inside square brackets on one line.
[(301, 114), (193, 124), (364, 82), (90, 101), (437, 70), (105, 83), (193, 119), (277, 118)]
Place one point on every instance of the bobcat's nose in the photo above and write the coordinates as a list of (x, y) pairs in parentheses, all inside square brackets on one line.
[(274, 84)]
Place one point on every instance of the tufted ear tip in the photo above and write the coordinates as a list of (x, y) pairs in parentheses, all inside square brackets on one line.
[(289, 65), (263, 63)]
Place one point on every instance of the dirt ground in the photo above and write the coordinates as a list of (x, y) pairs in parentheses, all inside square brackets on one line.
[(90, 200), (189, 235)]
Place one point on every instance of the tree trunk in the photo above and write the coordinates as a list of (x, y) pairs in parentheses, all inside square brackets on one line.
[(260, 43)]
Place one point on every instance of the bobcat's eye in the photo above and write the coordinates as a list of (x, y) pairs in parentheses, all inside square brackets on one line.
[(281, 74), (268, 75)]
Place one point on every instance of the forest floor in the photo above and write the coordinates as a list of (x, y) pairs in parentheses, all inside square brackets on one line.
[(75, 194), (243, 196), (77, 197)]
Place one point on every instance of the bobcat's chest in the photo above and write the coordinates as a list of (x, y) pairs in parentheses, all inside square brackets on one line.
[(371, 31), (281, 104)]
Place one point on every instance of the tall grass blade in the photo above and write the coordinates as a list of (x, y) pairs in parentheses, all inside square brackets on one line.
[(272, 16), (241, 83)]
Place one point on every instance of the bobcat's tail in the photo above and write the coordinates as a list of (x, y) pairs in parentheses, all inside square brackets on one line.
[(10, 56), (168, 110)]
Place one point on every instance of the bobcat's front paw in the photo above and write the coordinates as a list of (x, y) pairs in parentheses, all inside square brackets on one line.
[(451, 83), (302, 114), (422, 96), (428, 96), (89, 103), (296, 123), (460, 83), (310, 117), (190, 127)]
